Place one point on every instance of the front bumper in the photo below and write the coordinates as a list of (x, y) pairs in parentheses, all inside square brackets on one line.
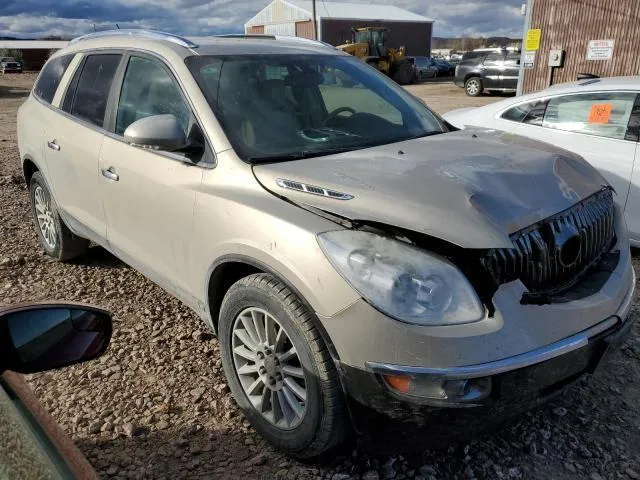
[(459, 82), (516, 384)]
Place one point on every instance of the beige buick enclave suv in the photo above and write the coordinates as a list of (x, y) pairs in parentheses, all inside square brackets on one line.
[(357, 257)]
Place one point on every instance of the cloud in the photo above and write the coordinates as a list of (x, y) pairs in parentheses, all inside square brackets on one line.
[(69, 18)]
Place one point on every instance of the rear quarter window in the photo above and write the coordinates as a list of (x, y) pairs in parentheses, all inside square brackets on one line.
[(531, 113), (49, 79), (91, 94)]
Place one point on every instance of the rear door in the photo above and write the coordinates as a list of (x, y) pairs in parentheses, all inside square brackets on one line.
[(492, 69), (593, 125), (73, 142), (511, 69)]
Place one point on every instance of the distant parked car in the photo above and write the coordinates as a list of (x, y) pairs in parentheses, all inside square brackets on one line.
[(492, 70), (34, 338), (10, 65), (596, 118), (425, 67), (445, 69)]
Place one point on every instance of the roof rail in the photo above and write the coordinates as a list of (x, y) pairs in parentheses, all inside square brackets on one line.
[(133, 32), (292, 38), (246, 35)]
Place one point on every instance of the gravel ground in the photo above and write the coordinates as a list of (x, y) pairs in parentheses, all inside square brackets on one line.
[(156, 404)]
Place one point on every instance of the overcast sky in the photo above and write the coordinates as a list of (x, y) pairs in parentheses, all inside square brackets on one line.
[(38, 18)]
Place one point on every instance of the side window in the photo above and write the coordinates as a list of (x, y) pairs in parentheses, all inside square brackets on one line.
[(91, 94), (148, 89), (494, 58), (530, 113), (49, 79), (633, 132), (512, 59), (601, 114)]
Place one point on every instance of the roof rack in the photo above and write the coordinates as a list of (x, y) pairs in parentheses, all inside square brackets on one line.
[(290, 38), (133, 32)]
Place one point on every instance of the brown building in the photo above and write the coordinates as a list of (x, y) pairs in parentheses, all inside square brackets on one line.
[(599, 37), (335, 21)]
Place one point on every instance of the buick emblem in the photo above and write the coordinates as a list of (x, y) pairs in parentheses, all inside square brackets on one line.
[(568, 245)]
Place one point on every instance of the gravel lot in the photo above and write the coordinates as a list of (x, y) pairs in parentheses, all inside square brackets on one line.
[(157, 406)]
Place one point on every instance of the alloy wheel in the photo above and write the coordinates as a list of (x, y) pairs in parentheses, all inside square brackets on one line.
[(44, 215), (473, 87), (269, 369)]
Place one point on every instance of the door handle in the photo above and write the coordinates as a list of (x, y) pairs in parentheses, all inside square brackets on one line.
[(53, 145), (110, 174)]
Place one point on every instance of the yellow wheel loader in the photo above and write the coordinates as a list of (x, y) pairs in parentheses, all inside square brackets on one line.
[(368, 44)]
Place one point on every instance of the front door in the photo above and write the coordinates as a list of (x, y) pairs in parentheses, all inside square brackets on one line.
[(633, 202), (73, 142), (149, 195)]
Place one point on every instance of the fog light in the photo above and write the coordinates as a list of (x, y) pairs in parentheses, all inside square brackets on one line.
[(456, 388), (458, 391), (467, 390)]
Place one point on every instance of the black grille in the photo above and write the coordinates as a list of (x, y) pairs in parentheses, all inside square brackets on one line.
[(552, 255)]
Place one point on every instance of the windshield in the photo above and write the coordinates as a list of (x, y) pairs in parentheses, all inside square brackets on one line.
[(280, 107)]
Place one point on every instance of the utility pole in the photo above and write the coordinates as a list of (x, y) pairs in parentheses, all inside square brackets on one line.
[(527, 25), (315, 23)]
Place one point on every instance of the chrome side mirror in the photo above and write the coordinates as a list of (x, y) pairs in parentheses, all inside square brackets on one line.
[(159, 132)]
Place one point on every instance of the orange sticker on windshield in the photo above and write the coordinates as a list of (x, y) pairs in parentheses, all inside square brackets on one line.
[(600, 113)]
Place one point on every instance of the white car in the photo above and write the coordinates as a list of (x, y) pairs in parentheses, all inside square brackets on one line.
[(596, 118)]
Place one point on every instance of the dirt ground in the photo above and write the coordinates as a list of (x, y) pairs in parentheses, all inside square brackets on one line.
[(156, 404)]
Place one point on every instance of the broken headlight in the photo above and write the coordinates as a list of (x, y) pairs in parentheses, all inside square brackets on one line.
[(402, 281)]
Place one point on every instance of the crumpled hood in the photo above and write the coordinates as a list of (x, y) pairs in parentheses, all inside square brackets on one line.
[(472, 188)]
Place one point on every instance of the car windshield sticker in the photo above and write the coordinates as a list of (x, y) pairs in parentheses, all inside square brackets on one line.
[(600, 112)]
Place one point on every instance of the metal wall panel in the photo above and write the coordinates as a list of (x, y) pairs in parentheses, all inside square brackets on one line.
[(570, 24), (305, 29), (278, 12), (288, 28), (254, 30)]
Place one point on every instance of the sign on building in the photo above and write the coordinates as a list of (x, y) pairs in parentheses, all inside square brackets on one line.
[(528, 60), (532, 41), (600, 49)]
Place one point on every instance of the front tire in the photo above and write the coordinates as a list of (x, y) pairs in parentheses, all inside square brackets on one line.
[(279, 369), (54, 236), (473, 86)]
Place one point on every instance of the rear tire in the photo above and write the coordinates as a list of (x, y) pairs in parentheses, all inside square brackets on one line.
[(473, 86), (54, 236), (404, 74), (262, 384)]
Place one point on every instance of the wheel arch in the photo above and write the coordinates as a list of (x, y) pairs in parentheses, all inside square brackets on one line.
[(228, 269), (29, 167), (471, 75)]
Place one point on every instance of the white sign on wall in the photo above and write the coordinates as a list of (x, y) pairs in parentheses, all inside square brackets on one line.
[(528, 60), (600, 49)]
